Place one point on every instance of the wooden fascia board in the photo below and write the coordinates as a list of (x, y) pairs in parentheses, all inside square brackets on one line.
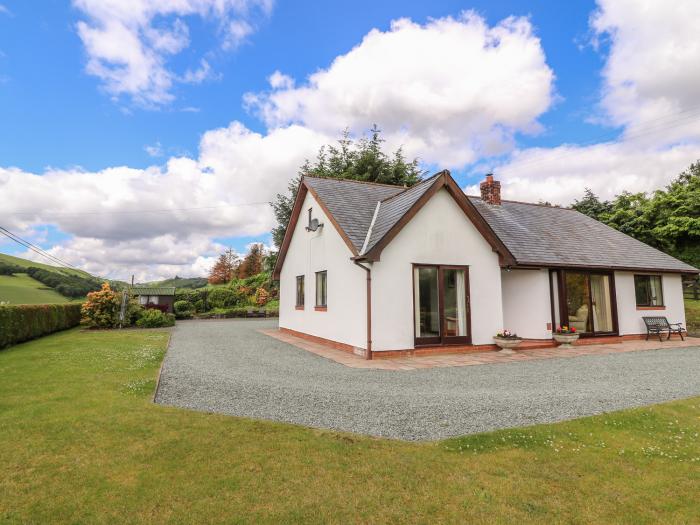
[(296, 212), (446, 181)]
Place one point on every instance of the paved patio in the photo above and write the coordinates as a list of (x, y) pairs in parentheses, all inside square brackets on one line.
[(229, 367), (475, 358)]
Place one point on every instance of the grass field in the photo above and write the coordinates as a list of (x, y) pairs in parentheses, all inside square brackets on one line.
[(692, 315), (83, 443), (25, 263), (22, 289)]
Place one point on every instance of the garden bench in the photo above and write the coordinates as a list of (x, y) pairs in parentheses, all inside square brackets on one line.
[(659, 325)]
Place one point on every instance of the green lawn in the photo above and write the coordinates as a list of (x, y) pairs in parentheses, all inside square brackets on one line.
[(692, 315), (83, 443), (22, 289)]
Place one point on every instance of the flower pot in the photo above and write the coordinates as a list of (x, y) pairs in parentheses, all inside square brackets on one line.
[(506, 344), (566, 340)]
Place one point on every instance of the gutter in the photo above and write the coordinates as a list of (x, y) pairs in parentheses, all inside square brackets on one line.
[(368, 352)]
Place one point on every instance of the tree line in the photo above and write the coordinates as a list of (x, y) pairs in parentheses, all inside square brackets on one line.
[(667, 219)]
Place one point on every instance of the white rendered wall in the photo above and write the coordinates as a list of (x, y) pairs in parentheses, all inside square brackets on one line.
[(630, 319), (526, 305), (310, 252), (440, 233)]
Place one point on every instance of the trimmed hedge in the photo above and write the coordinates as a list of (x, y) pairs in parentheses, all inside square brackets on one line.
[(25, 322)]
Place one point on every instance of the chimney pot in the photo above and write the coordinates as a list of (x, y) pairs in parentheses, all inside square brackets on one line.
[(491, 190)]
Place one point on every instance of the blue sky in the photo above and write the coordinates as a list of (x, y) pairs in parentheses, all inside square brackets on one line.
[(61, 123), (55, 115)]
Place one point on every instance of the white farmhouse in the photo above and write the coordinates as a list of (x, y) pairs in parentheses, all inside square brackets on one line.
[(372, 268)]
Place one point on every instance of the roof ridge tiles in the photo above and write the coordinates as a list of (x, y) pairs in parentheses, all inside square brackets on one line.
[(355, 181)]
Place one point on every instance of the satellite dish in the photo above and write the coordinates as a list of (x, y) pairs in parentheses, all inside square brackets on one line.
[(313, 225)]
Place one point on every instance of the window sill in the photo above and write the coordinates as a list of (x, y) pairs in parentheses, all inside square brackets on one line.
[(299, 307), (320, 308), (651, 307)]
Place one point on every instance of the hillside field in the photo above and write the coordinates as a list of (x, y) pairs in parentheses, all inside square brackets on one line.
[(24, 263), (22, 289)]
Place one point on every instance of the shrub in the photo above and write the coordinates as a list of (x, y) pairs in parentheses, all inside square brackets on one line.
[(261, 296), (67, 285), (155, 319), (25, 322), (101, 310), (183, 309), (222, 298), (199, 306), (9, 269)]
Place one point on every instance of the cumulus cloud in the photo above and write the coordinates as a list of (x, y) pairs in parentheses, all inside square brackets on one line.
[(128, 44), (650, 86), (560, 175), (150, 220), (451, 91), (651, 78)]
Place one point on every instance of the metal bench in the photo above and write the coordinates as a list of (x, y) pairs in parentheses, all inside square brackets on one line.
[(659, 325)]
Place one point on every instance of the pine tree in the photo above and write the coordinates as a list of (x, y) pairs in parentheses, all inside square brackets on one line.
[(362, 160)]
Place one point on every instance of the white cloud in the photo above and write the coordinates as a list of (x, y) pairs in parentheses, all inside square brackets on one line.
[(560, 175), (650, 87), (115, 215), (128, 44), (651, 78), (451, 90), (4, 10)]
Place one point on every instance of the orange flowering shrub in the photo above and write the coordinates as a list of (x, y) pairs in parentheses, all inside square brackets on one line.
[(262, 296), (101, 310)]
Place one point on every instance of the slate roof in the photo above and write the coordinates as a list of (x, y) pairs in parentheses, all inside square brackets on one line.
[(535, 235), (545, 235), (153, 290), (351, 203), (393, 208)]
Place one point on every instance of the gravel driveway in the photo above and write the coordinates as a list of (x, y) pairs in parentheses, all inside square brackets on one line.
[(229, 367)]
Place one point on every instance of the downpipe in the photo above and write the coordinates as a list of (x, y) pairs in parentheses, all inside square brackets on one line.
[(368, 270)]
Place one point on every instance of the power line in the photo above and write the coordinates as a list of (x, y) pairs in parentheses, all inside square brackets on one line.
[(7, 233), (139, 212)]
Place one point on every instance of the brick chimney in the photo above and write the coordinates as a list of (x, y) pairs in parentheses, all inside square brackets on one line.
[(491, 190)]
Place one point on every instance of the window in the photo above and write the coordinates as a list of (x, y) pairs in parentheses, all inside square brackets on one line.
[(440, 303), (321, 289), (300, 291), (648, 290), (309, 224)]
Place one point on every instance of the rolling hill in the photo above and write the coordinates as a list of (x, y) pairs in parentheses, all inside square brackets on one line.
[(21, 288)]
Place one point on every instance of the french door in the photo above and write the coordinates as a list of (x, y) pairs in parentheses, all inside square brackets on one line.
[(441, 304), (588, 302)]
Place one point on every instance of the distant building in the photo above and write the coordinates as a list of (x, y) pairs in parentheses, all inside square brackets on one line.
[(159, 297)]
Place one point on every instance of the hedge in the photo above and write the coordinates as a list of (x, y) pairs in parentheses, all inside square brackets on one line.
[(25, 322)]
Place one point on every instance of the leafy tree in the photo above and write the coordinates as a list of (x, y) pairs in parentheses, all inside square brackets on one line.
[(225, 268), (669, 219), (253, 262), (361, 159)]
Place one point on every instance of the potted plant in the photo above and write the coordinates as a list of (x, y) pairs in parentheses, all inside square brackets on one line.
[(506, 340), (566, 336)]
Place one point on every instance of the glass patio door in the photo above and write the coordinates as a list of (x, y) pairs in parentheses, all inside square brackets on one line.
[(588, 302), (441, 305)]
